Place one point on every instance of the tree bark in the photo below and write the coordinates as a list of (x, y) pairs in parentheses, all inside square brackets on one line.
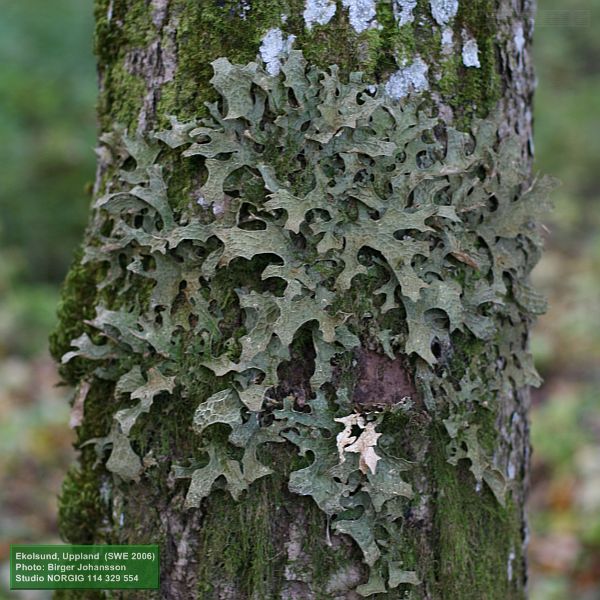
[(154, 61)]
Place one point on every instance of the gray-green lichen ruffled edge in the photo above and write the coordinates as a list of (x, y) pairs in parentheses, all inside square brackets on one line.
[(332, 192)]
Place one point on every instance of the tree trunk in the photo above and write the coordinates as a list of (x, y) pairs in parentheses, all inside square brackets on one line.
[(221, 315)]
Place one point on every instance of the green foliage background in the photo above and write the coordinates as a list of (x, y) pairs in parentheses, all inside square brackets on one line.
[(47, 128), (565, 497)]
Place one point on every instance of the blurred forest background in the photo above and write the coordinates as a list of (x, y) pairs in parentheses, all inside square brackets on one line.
[(47, 128)]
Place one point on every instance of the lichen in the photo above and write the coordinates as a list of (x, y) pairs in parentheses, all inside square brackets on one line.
[(519, 38), (436, 222), (318, 11), (273, 49), (447, 40), (403, 11), (443, 11), (470, 51), (410, 78), (361, 13)]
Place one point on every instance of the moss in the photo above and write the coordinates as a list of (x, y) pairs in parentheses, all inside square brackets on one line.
[(208, 30), (333, 44), (122, 28), (236, 544), (473, 92), (119, 21), (359, 299), (394, 43), (469, 91), (80, 504), (78, 297), (487, 434), (184, 178), (121, 98), (82, 511), (474, 535), (466, 349), (241, 273), (243, 543), (78, 595)]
